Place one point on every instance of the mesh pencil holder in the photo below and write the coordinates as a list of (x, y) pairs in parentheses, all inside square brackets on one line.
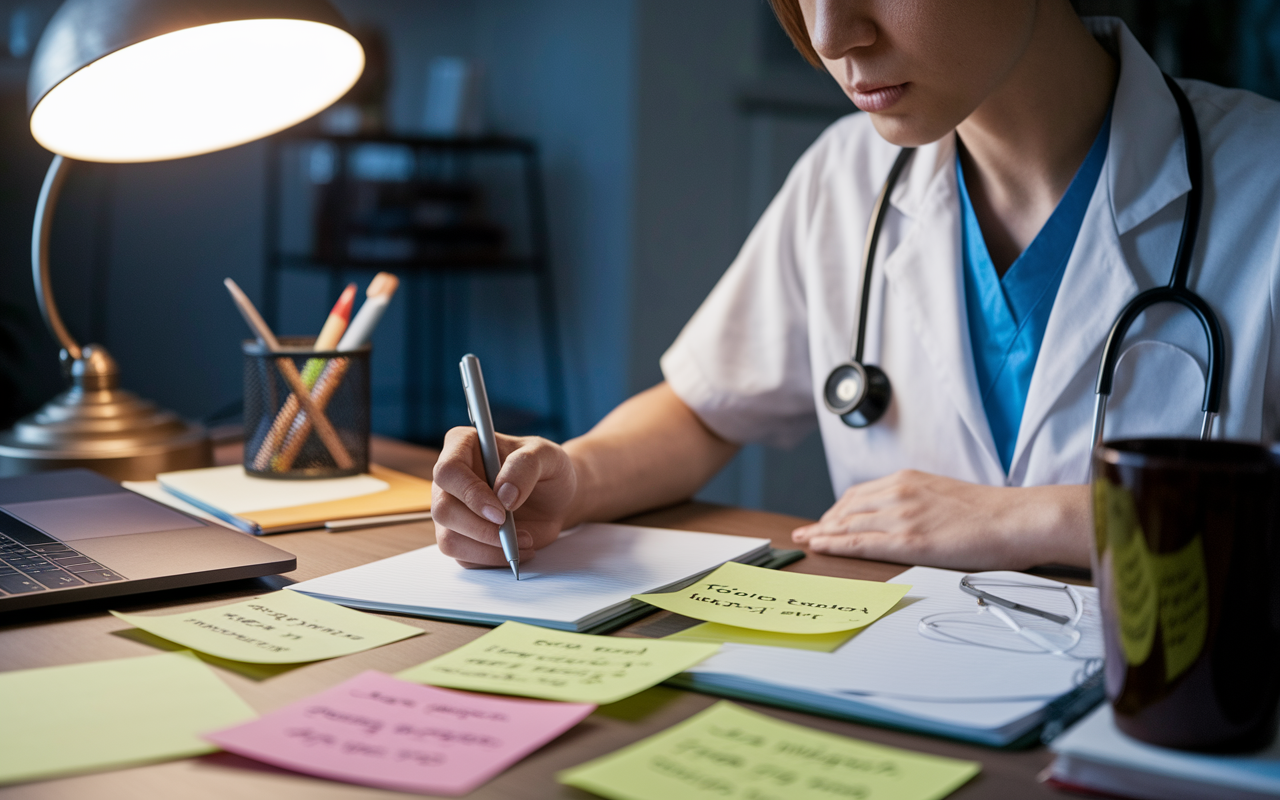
[(306, 413)]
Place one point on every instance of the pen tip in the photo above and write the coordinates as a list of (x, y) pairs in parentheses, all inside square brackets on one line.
[(515, 567)]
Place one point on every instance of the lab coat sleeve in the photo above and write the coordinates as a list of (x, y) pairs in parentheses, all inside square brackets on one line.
[(742, 362)]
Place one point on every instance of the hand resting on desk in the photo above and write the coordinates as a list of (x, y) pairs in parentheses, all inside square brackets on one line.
[(653, 451)]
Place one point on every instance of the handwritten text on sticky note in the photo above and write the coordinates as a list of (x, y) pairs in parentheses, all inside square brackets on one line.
[(281, 628), (783, 602), (375, 730), (556, 665), (732, 753)]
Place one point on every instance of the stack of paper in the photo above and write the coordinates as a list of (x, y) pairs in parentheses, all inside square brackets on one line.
[(265, 505), (581, 582), (891, 674), (1095, 756)]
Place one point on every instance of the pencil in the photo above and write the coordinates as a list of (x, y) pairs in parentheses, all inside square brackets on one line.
[(332, 331), (289, 371)]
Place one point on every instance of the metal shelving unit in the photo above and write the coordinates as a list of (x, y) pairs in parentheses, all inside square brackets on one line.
[(434, 265)]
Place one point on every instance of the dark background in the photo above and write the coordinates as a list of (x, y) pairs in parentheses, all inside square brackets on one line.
[(665, 127)]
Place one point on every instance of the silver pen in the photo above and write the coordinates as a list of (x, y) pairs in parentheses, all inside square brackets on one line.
[(478, 411)]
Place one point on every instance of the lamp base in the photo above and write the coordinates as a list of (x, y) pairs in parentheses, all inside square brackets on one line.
[(97, 425)]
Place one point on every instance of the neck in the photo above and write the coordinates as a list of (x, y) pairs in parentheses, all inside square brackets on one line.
[(1023, 145)]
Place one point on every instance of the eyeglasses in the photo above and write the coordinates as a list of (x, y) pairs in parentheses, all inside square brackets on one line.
[(1012, 615)]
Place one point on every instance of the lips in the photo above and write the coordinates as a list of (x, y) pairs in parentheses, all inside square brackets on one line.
[(880, 98)]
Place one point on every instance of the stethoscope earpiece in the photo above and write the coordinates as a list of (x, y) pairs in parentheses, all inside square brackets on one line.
[(859, 393)]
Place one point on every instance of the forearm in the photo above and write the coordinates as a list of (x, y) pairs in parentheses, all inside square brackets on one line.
[(650, 451), (1049, 525)]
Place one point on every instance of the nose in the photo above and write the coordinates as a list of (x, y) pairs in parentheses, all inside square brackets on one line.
[(838, 26)]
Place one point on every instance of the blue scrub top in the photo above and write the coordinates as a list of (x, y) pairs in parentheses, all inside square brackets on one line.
[(1008, 316)]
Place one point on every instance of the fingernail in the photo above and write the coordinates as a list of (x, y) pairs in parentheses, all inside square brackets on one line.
[(799, 534), (494, 514), (508, 493), (524, 540)]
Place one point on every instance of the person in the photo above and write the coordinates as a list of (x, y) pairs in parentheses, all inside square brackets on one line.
[(1047, 189)]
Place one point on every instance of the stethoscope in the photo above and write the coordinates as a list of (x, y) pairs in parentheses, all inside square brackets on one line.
[(860, 393)]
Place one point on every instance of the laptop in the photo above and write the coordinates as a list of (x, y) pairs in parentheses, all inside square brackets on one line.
[(72, 535)]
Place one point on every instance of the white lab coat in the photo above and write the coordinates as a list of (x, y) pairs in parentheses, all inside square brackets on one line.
[(752, 361)]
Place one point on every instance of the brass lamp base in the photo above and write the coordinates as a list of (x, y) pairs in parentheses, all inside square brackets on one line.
[(96, 424)]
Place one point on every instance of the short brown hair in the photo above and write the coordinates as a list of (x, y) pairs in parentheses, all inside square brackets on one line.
[(788, 14)]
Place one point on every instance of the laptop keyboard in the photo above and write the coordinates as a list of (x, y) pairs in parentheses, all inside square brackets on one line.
[(33, 565)]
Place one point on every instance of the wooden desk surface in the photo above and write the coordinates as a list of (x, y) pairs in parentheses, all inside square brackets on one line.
[(85, 632)]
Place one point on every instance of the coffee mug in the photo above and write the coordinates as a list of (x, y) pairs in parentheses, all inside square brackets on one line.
[(1187, 562)]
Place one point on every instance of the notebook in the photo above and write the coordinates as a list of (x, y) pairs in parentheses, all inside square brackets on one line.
[(1095, 756), (265, 505), (582, 582), (890, 674)]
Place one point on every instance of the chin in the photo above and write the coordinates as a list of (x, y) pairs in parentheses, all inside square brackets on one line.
[(910, 130)]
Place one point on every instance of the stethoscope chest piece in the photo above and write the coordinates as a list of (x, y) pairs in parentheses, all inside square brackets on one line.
[(859, 393)]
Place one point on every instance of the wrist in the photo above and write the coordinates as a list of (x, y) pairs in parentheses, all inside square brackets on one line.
[(1054, 525), (585, 484)]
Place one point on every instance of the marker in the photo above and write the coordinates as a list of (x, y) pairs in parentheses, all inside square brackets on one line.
[(478, 410)]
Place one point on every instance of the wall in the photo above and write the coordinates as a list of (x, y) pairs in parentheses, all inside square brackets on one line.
[(657, 159)]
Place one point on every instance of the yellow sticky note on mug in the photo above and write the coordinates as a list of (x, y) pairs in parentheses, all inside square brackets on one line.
[(782, 602)]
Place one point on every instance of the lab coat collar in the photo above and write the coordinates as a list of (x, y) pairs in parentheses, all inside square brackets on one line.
[(1144, 172), (1146, 156), (924, 274)]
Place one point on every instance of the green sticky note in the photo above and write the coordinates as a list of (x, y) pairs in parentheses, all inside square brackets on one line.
[(515, 658), (731, 753), (280, 628), (110, 714), (782, 602), (715, 632)]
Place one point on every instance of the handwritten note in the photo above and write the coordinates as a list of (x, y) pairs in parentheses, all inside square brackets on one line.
[(281, 628), (715, 632), (515, 658), (783, 602), (110, 714), (375, 730), (731, 753)]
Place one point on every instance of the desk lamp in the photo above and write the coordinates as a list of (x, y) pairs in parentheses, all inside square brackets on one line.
[(126, 81)]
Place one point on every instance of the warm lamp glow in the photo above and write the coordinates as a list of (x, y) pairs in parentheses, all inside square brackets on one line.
[(198, 90)]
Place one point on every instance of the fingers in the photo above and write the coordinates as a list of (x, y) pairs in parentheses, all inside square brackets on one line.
[(534, 460), (474, 554), (871, 546), (459, 473)]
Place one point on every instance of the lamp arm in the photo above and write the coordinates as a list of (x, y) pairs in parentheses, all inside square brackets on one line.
[(53, 180)]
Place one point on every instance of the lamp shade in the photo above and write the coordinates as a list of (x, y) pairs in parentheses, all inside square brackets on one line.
[(151, 80)]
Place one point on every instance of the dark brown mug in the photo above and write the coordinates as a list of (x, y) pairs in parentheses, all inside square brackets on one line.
[(1186, 558)]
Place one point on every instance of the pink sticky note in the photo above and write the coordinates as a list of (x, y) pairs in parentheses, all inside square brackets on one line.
[(377, 730)]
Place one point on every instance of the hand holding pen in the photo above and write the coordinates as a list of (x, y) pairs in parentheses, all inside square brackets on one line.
[(532, 477), (482, 418)]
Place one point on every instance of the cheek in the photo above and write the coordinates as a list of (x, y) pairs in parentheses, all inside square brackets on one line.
[(955, 53)]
